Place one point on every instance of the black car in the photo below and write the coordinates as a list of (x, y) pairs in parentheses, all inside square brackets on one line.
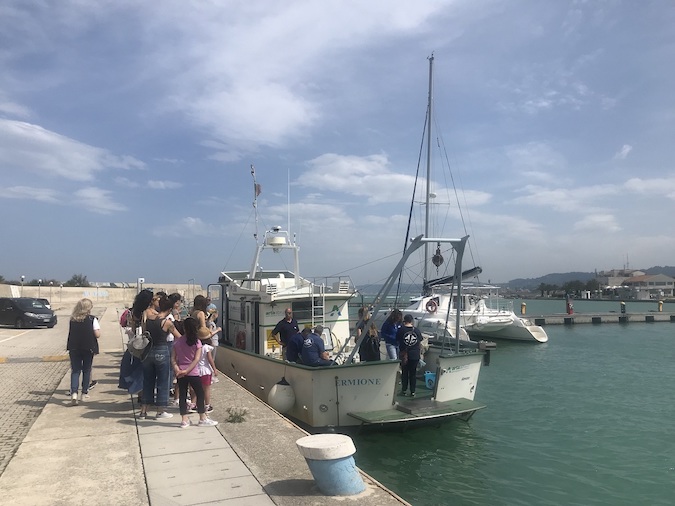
[(25, 312)]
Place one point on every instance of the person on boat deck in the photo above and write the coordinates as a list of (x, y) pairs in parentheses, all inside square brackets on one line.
[(409, 340), (285, 329), (313, 350), (388, 333), (294, 348), (369, 350), (364, 319)]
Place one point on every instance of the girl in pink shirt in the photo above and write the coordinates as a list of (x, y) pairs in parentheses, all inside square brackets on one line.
[(185, 355)]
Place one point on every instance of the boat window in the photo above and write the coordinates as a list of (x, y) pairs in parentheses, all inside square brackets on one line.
[(302, 310)]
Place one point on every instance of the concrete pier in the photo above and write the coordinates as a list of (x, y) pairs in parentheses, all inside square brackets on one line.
[(597, 318)]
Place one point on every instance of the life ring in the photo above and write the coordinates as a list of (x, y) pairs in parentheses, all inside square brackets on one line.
[(431, 306)]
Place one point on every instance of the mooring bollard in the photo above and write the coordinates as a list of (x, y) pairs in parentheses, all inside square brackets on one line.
[(330, 459)]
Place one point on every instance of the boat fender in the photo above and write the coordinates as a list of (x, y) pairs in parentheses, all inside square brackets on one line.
[(431, 306), (281, 396)]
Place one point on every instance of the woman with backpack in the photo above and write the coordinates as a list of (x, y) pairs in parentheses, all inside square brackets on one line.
[(157, 363), (82, 345)]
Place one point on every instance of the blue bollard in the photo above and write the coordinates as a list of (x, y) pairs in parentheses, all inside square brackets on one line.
[(330, 459)]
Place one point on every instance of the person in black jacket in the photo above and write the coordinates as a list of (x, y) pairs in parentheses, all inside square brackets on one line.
[(410, 346), (369, 350), (82, 346)]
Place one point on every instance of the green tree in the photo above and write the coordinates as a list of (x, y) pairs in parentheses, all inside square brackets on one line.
[(593, 285), (77, 280), (2, 279)]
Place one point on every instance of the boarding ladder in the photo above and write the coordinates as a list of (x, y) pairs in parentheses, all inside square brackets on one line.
[(318, 304)]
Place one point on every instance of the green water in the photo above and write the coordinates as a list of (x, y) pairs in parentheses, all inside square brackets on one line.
[(587, 418)]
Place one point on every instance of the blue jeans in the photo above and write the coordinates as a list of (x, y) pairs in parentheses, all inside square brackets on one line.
[(156, 375), (392, 351), (80, 362)]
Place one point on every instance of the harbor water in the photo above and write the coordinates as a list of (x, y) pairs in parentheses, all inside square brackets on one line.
[(587, 418)]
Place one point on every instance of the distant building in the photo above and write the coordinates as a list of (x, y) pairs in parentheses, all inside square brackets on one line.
[(615, 277), (647, 287)]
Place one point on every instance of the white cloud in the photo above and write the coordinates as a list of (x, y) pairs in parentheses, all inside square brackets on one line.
[(164, 185), (597, 223), (622, 154), (186, 227), (97, 200), (30, 193), (31, 148)]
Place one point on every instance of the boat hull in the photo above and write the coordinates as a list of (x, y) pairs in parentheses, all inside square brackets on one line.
[(362, 394)]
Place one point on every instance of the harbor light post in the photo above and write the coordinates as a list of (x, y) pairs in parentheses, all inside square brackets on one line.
[(22, 280), (51, 285), (39, 286), (191, 283), (61, 293)]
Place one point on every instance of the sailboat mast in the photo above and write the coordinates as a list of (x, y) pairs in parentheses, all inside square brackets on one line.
[(428, 188)]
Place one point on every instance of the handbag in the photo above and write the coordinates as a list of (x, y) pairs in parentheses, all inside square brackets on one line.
[(139, 344)]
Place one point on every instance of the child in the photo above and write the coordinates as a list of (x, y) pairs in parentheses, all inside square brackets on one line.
[(185, 357), (207, 370)]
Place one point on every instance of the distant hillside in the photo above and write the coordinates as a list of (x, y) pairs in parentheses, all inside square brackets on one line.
[(558, 279), (667, 270), (561, 278)]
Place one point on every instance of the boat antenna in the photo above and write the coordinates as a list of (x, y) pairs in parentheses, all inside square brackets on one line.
[(288, 199)]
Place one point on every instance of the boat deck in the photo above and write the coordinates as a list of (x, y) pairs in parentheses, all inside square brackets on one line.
[(409, 409)]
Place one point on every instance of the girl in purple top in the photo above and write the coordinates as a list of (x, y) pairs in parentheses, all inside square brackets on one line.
[(187, 350)]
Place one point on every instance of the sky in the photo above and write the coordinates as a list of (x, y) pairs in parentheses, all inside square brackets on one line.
[(128, 130)]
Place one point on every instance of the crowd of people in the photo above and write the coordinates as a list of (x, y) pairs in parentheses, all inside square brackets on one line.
[(178, 366)]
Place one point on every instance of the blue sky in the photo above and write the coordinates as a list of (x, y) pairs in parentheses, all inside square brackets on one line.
[(127, 131)]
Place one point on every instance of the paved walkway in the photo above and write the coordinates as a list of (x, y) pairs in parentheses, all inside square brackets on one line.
[(98, 452)]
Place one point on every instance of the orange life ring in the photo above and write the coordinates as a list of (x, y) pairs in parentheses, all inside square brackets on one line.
[(432, 306)]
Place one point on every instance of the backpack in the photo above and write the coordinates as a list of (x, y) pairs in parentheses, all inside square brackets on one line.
[(124, 319), (139, 344)]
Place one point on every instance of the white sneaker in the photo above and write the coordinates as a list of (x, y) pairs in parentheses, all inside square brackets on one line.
[(73, 398), (163, 414), (207, 422), (84, 397)]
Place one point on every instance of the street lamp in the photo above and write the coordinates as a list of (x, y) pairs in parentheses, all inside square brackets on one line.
[(39, 285), (191, 282), (61, 293), (22, 279), (51, 285)]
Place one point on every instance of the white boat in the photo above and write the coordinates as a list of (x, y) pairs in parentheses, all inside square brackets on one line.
[(438, 303), (347, 393)]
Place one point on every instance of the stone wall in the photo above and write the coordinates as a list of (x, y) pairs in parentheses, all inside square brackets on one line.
[(66, 297)]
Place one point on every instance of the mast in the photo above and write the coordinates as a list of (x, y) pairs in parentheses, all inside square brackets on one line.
[(428, 188)]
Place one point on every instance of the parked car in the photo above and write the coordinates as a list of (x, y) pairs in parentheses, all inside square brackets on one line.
[(46, 303), (25, 312)]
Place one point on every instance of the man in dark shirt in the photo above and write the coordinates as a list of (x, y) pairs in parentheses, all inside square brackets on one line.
[(285, 329), (410, 345), (294, 347), (313, 350)]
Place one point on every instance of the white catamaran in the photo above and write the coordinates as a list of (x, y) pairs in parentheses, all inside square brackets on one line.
[(438, 306)]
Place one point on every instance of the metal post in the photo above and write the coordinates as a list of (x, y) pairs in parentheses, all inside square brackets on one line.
[(39, 286), (22, 280)]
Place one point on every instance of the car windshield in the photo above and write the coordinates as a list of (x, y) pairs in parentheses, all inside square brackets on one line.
[(28, 304)]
